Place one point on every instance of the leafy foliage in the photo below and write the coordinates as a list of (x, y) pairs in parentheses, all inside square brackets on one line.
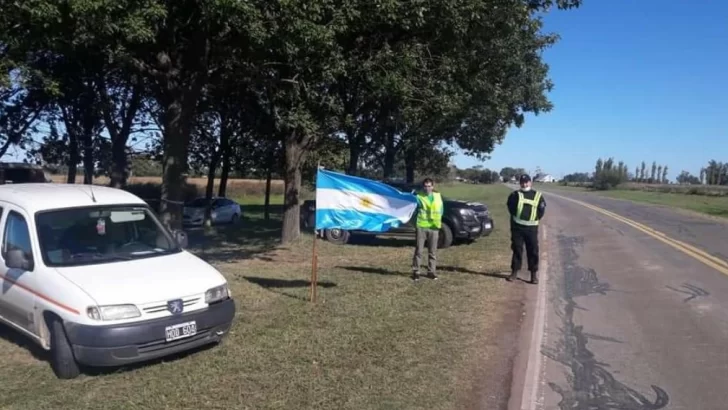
[(271, 88)]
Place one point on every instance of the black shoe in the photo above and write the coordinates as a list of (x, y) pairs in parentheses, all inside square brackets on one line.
[(415, 276), (514, 276), (432, 276), (534, 277)]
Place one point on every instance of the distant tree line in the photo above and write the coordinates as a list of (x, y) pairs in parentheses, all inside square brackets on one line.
[(607, 175), (479, 175)]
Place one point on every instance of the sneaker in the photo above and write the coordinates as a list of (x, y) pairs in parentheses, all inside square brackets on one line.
[(415, 276), (432, 276)]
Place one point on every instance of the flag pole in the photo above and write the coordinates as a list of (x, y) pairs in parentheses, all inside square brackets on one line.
[(314, 255)]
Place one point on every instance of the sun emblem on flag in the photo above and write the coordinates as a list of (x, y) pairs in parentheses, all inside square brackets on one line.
[(366, 202)]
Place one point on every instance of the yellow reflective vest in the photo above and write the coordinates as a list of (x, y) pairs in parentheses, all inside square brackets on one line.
[(429, 216), (528, 220)]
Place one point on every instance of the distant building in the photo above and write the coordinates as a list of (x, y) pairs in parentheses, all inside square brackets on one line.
[(547, 178)]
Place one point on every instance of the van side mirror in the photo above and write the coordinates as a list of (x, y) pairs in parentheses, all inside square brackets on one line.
[(181, 237), (16, 259)]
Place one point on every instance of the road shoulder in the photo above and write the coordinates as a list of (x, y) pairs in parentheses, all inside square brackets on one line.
[(528, 362)]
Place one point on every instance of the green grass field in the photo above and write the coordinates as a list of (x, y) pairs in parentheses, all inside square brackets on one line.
[(704, 204), (374, 340), (715, 206)]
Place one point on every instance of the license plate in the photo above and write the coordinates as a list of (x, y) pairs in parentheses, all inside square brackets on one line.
[(181, 331)]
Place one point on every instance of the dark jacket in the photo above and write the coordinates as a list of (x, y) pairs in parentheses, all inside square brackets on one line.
[(513, 205)]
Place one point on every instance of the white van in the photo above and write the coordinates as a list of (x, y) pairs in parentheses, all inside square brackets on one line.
[(91, 274)]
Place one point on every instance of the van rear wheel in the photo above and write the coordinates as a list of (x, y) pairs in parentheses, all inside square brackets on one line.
[(63, 362)]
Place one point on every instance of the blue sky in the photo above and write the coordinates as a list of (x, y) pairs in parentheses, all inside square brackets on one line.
[(634, 79)]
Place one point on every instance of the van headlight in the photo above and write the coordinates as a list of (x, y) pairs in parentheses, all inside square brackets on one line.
[(217, 294), (113, 312), (466, 212)]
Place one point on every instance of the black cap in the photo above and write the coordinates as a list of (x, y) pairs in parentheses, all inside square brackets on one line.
[(525, 178)]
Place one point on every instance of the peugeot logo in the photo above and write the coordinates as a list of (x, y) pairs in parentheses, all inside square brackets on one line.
[(175, 306)]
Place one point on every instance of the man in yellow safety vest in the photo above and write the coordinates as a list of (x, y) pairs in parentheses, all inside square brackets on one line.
[(526, 207), (429, 221)]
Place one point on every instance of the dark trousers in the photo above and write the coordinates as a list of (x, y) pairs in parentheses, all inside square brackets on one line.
[(520, 236)]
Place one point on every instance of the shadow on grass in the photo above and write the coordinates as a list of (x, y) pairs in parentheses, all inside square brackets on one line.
[(268, 283), (373, 270), (274, 285), (14, 337), (250, 237), (488, 273), (449, 269), (385, 242)]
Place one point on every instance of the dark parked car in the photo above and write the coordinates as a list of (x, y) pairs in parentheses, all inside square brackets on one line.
[(461, 221), (21, 173)]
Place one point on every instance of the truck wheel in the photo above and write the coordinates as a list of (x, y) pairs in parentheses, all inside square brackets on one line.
[(337, 236), (62, 361), (444, 237)]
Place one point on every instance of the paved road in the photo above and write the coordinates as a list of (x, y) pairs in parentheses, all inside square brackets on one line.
[(631, 322)]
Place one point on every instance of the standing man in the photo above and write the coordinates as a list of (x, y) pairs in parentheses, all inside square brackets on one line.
[(526, 207), (429, 221)]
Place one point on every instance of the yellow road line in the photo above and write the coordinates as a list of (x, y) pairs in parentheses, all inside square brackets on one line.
[(716, 263)]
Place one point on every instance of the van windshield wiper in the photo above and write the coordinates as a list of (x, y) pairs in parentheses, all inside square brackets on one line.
[(101, 257)]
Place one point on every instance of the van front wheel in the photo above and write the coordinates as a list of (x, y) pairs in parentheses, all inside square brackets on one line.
[(62, 361)]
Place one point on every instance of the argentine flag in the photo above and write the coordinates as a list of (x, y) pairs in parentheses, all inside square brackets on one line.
[(353, 203)]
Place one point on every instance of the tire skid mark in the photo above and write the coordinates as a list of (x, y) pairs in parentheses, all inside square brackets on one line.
[(590, 385)]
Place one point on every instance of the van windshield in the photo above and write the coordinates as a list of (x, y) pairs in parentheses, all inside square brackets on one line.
[(91, 235)]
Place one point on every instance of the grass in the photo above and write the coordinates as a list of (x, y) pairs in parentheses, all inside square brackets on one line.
[(709, 205), (374, 340), (682, 198)]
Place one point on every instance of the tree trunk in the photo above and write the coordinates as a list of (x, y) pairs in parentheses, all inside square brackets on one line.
[(120, 132), (176, 121), (88, 159), (410, 160), (389, 160), (268, 178), (390, 155), (354, 151), (72, 157), (210, 188), (225, 150), (119, 163), (355, 146), (292, 179)]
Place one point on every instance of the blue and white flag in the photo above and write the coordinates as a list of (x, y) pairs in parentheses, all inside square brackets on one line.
[(354, 203)]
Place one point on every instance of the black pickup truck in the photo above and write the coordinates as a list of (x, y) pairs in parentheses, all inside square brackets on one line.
[(461, 221)]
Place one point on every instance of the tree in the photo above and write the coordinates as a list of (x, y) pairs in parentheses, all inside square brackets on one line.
[(653, 173), (658, 176), (637, 174), (664, 175), (643, 174), (598, 169), (687, 178), (577, 177), (608, 176)]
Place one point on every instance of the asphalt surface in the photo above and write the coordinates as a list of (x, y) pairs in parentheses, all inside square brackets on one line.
[(631, 322)]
